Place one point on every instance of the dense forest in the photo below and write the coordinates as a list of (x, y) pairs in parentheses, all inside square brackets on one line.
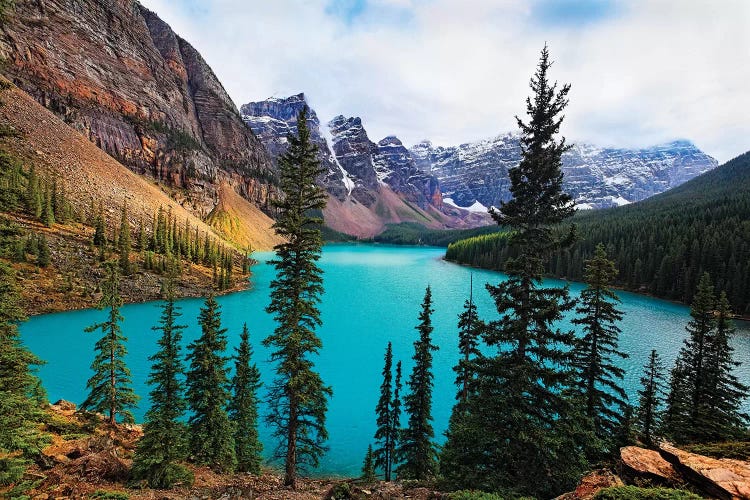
[(662, 245)]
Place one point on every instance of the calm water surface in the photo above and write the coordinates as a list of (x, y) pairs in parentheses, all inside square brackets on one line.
[(372, 296)]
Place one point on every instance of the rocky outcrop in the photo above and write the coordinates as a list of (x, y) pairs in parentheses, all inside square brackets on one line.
[(641, 463), (720, 478), (595, 177), (591, 484), (119, 74), (727, 479)]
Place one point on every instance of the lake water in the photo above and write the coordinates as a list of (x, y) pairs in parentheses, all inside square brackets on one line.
[(372, 296)]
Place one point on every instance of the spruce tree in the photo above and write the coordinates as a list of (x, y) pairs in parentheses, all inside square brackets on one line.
[(33, 197), (416, 449), (110, 387), (124, 243), (520, 418), (368, 467), (164, 442), (20, 414), (211, 441), (651, 397), (100, 236), (298, 396), (385, 433), (396, 415), (243, 407), (43, 256), (598, 377), (470, 329), (48, 213), (725, 393)]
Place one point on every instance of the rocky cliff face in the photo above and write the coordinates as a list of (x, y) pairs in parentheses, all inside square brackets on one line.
[(120, 75), (595, 177), (355, 166), (274, 119), (371, 184)]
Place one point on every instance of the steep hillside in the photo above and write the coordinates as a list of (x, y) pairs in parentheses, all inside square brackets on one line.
[(117, 73), (92, 179), (661, 245)]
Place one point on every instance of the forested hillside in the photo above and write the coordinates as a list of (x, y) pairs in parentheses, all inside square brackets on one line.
[(661, 245)]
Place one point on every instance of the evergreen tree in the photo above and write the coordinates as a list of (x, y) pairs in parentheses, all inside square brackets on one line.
[(100, 236), (520, 422), (470, 329), (43, 256), (33, 195), (725, 393), (651, 398), (211, 441), (386, 433), (298, 397), (416, 449), (396, 415), (598, 376), (110, 387), (124, 243), (20, 414), (163, 443), (368, 467), (48, 214), (705, 397), (243, 408)]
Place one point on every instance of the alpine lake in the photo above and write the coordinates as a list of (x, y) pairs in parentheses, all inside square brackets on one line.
[(372, 296)]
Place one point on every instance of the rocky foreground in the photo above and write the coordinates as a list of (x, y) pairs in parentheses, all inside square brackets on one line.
[(89, 459)]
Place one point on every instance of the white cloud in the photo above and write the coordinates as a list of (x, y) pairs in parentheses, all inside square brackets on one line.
[(455, 71)]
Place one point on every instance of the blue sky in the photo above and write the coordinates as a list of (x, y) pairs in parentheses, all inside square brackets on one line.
[(642, 71)]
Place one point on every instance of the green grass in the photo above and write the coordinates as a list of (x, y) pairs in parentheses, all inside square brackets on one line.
[(739, 450)]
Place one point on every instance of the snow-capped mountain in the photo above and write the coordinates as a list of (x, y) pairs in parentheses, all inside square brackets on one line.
[(274, 119), (595, 177), (371, 184)]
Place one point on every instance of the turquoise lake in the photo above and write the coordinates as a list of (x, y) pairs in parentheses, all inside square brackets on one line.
[(372, 296)]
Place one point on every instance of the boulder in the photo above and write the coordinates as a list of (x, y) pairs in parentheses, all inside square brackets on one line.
[(640, 463), (721, 478)]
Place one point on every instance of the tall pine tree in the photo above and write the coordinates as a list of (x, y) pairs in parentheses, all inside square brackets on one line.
[(298, 396), (599, 378), (416, 449), (705, 397), (124, 244), (385, 433), (110, 389), (470, 329), (211, 439), (20, 414), (243, 407), (726, 393), (519, 422), (164, 442), (648, 417)]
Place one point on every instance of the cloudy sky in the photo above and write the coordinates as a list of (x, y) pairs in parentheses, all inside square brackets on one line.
[(642, 71)]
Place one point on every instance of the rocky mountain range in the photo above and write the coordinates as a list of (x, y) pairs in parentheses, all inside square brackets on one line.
[(472, 176), (371, 184), (596, 177)]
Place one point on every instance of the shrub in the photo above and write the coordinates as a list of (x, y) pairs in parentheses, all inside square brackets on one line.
[(109, 495), (636, 493), (474, 495)]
